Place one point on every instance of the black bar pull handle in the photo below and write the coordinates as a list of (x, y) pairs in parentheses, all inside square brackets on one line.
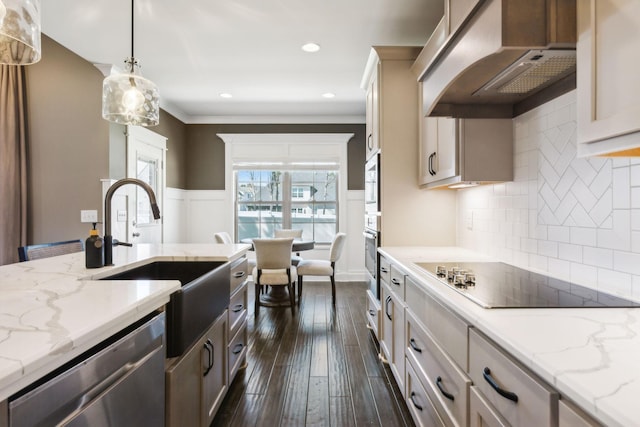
[(395, 281), (413, 400), (431, 172), (412, 343), (239, 274), (238, 307), (237, 348), (209, 348), (384, 269), (449, 396), (386, 306), (372, 312), (486, 373), (433, 165)]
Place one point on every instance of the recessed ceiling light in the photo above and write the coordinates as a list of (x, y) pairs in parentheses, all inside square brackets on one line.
[(329, 95), (311, 47), (226, 95)]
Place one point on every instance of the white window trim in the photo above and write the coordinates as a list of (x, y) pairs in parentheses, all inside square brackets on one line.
[(285, 149)]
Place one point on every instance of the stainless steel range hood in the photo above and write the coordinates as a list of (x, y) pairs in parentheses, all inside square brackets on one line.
[(507, 57)]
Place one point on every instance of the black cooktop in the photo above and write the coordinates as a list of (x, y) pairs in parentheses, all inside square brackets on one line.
[(499, 285)]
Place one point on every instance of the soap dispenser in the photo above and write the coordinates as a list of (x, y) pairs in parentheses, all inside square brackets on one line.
[(94, 249)]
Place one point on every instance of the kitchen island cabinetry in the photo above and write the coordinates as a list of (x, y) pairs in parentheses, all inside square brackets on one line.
[(608, 116), (454, 151), (197, 381)]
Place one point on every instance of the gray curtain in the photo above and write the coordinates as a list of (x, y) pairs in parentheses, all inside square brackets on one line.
[(13, 162)]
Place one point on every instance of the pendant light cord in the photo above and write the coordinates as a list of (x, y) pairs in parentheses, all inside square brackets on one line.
[(132, 30)]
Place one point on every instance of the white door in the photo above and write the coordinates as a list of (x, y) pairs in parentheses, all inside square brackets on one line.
[(146, 151)]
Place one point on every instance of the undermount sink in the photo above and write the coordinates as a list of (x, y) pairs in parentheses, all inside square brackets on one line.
[(204, 295)]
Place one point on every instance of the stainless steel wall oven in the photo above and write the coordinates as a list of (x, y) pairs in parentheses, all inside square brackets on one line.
[(372, 222)]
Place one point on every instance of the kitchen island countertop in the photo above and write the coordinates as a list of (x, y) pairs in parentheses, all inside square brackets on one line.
[(590, 355), (54, 309)]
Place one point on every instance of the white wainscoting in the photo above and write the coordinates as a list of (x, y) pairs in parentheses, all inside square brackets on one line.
[(193, 216)]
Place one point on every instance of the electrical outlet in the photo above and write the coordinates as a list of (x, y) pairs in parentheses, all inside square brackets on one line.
[(122, 216), (88, 216), (469, 220)]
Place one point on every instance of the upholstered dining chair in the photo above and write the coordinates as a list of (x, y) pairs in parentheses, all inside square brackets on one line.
[(223, 237), (273, 267), (290, 232), (321, 267), (46, 250)]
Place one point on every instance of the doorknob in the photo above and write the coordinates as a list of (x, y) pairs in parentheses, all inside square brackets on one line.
[(136, 234)]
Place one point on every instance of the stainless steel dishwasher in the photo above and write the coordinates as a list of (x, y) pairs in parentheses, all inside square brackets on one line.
[(118, 383)]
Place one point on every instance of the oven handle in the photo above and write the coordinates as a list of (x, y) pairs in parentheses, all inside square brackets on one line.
[(369, 235)]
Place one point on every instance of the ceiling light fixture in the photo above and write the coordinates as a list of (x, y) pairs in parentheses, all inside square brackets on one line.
[(311, 47), (329, 95), (20, 32), (127, 97), (226, 95)]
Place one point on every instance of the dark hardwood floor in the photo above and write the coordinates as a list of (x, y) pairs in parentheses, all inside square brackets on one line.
[(317, 368)]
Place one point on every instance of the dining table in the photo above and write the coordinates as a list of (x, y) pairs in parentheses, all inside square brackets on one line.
[(277, 296)]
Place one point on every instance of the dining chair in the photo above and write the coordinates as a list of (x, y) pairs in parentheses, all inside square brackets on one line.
[(290, 232), (46, 250), (273, 267), (223, 237), (321, 267)]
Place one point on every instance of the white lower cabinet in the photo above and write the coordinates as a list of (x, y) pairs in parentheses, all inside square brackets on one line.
[(446, 384), (374, 310), (419, 404), (392, 343), (197, 381), (513, 392)]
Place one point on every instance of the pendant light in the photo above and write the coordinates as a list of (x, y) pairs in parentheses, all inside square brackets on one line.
[(127, 97), (20, 32)]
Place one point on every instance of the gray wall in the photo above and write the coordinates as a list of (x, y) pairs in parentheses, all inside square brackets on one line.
[(71, 148), (68, 143), (205, 157)]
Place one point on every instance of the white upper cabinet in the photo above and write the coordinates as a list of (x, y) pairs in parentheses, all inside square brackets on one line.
[(464, 151), (608, 87), (372, 113)]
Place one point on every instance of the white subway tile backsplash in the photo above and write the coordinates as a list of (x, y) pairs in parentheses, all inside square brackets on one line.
[(583, 236), (547, 248), (626, 262), (559, 234), (570, 252), (597, 257), (576, 218)]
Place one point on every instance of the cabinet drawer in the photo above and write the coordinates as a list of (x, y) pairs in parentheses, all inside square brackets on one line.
[(238, 273), (572, 416), (421, 408), (446, 385), (385, 270), (397, 281), (448, 330), (517, 395), (373, 314), (237, 308), (482, 414), (237, 350)]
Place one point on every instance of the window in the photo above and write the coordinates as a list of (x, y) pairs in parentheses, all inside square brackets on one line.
[(303, 199)]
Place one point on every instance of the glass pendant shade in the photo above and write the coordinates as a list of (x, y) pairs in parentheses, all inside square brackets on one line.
[(20, 32), (130, 99)]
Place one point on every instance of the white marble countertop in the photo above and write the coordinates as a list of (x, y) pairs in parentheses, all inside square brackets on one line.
[(590, 355), (54, 309)]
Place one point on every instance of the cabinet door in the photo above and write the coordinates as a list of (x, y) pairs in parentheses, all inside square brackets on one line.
[(214, 369), (446, 158), (372, 115), (386, 343), (428, 149), (608, 84), (398, 362)]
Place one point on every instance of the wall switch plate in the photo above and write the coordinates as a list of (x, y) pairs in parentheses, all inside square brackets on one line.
[(469, 220), (88, 216), (122, 216)]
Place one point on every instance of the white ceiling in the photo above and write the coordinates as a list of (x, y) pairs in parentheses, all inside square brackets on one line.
[(196, 49)]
